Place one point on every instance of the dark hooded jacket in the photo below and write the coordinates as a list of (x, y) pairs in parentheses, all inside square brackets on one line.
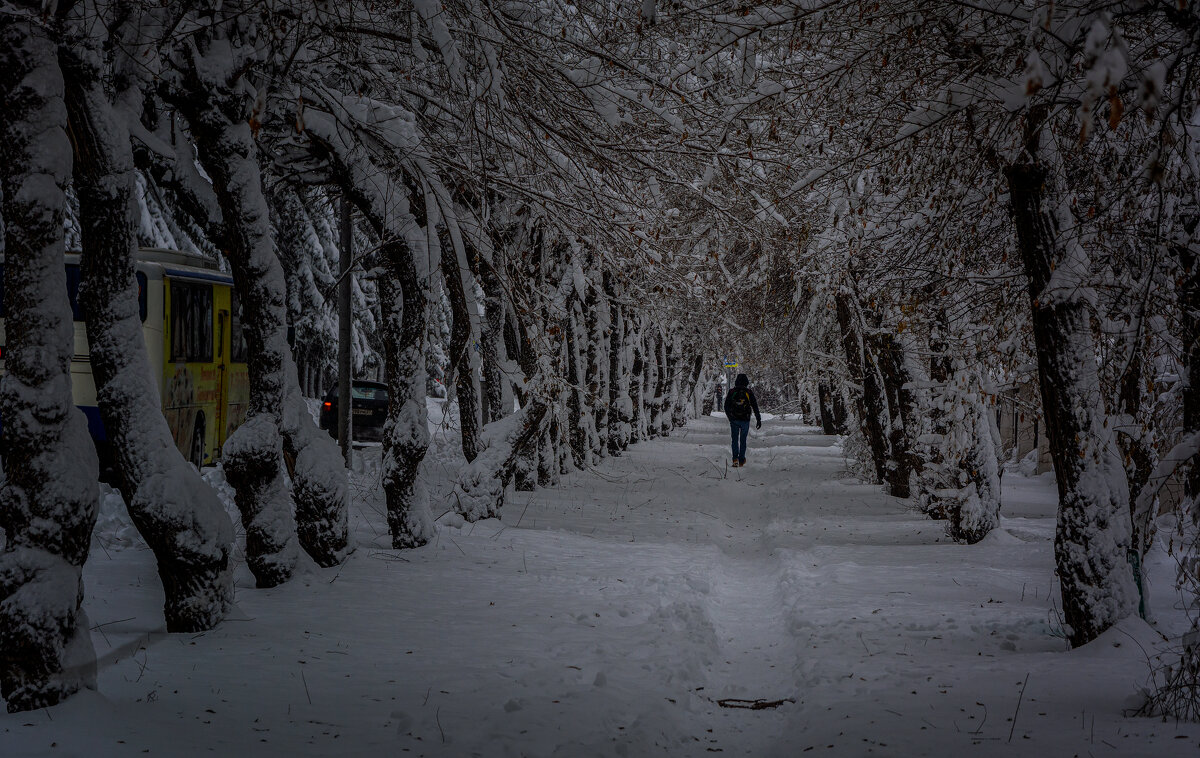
[(740, 401)]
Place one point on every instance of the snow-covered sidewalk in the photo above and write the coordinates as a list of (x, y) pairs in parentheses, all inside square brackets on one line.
[(611, 616)]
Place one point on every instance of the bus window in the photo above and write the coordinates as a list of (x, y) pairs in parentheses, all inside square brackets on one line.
[(237, 351), (191, 322)]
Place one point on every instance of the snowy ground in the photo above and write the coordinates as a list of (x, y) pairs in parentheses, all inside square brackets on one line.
[(610, 615)]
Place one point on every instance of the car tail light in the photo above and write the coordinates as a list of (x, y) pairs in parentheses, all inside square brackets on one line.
[(328, 404)]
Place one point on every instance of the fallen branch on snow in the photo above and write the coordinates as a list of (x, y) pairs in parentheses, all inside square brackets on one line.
[(753, 705)]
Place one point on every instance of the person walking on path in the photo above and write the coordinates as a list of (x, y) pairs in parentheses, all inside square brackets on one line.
[(739, 403)]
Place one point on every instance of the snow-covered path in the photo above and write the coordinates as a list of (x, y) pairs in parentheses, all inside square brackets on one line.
[(609, 615)]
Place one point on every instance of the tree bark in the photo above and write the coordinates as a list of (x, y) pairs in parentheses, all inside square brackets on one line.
[(618, 383), (670, 383), (577, 407), (179, 516), (459, 372), (519, 345), (936, 476), (869, 397), (598, 378), (547, 468), (479, 489), (319, 487), (49, 494), (1093, 531), (253, 455), (1138, 453), (653, 392), (840, 414), (406, 434), (902, 405), (971, 473), (637, 380), (825, 400), (491, 340), (685, 406)]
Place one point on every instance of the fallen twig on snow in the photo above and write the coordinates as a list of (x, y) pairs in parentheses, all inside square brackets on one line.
[(754, 705), (1017, 712)]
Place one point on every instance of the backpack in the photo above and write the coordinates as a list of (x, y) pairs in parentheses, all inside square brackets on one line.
[(739, 400)]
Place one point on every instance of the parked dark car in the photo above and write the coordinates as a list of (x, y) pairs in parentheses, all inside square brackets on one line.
[(369, 401)]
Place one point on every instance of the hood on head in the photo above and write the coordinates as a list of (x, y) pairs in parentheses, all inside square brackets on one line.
[(741, 381)]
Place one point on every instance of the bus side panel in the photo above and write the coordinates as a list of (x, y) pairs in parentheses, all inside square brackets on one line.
[(191, 390), (178, 390), (154, 328)]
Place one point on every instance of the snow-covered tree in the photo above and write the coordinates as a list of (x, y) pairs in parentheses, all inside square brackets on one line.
[(49, 494), (177, 514)]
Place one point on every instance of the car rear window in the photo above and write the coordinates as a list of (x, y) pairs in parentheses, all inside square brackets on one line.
[(369, 393)]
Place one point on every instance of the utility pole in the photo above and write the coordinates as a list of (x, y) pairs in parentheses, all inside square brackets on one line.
[(345, 349)]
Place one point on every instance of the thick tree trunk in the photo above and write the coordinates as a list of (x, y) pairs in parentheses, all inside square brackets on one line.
[(319, 486), (49, 494), (562, 410), (902, 405), (618, 386), (547, 467), (969, 493), (406, 433), (577, 408), (841, 417), (525, 472), (825, 400), (479, 489), (459, 373), (670, 384), (685, 407), (179, 516), (1093, 533), (869, 397), (637, 381), (519, 345), (514, 346), (937, 477), (598, 378), (1138, 454), (652, 392), (253, 455), (492, 346), (1134, 432)]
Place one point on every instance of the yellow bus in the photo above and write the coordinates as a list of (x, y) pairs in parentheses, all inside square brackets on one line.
[(192, 326)]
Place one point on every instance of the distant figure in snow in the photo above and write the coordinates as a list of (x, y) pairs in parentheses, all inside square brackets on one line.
[(738, 405)]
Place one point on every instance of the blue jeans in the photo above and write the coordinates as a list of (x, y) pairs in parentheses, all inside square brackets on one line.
[(738, 430)]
